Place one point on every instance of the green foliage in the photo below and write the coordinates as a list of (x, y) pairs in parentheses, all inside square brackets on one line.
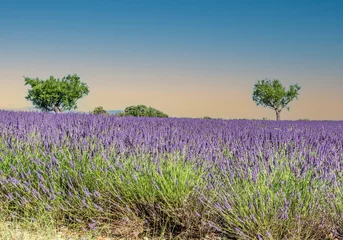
[(115, 194), (99, 111), (163, 194), (206, 117), (273, 204), (56, 94), (142, 111), (120, 114), (272, 94), (171, 183)]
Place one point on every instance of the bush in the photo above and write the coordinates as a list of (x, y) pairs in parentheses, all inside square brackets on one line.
[(271, 204), (100, 111), (142, 111)]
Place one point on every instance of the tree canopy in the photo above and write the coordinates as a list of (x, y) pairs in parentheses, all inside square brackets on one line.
[(56, 94), (142, 111), (272, 94), (99, 111)]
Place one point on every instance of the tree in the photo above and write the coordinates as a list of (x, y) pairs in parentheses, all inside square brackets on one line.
[(99, 111), (56, 94), (272, 94), (142, 111)]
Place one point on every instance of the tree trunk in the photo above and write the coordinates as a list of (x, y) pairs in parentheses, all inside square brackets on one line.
[(56, 109), (278, 113)]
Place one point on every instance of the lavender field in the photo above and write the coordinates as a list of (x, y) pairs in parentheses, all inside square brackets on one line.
[(173, 178)]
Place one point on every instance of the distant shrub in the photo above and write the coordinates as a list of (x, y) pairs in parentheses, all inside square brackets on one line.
[(304, 119), (120, 114), (99, 111), (142, 111), (207, 117)]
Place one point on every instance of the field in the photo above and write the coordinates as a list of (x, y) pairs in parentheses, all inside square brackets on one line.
[(125, 177)]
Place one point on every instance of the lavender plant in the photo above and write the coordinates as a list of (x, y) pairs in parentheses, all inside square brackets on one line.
[(132, 177)]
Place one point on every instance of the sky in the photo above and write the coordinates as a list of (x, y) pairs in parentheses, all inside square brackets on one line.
[(189, 58)]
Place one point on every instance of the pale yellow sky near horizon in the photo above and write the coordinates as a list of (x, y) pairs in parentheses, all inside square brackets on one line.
[(189, 100)]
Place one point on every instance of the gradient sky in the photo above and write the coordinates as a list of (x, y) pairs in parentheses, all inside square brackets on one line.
[(188, 58)]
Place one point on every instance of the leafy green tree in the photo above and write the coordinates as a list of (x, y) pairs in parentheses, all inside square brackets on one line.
[(56, 94), (272, 94), (99, 111), (142, 111)]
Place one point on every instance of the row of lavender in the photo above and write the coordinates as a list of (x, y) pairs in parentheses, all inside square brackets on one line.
[(196, 138), (240, 179)]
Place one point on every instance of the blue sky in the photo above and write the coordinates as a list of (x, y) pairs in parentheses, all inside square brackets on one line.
[(178, 44)]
